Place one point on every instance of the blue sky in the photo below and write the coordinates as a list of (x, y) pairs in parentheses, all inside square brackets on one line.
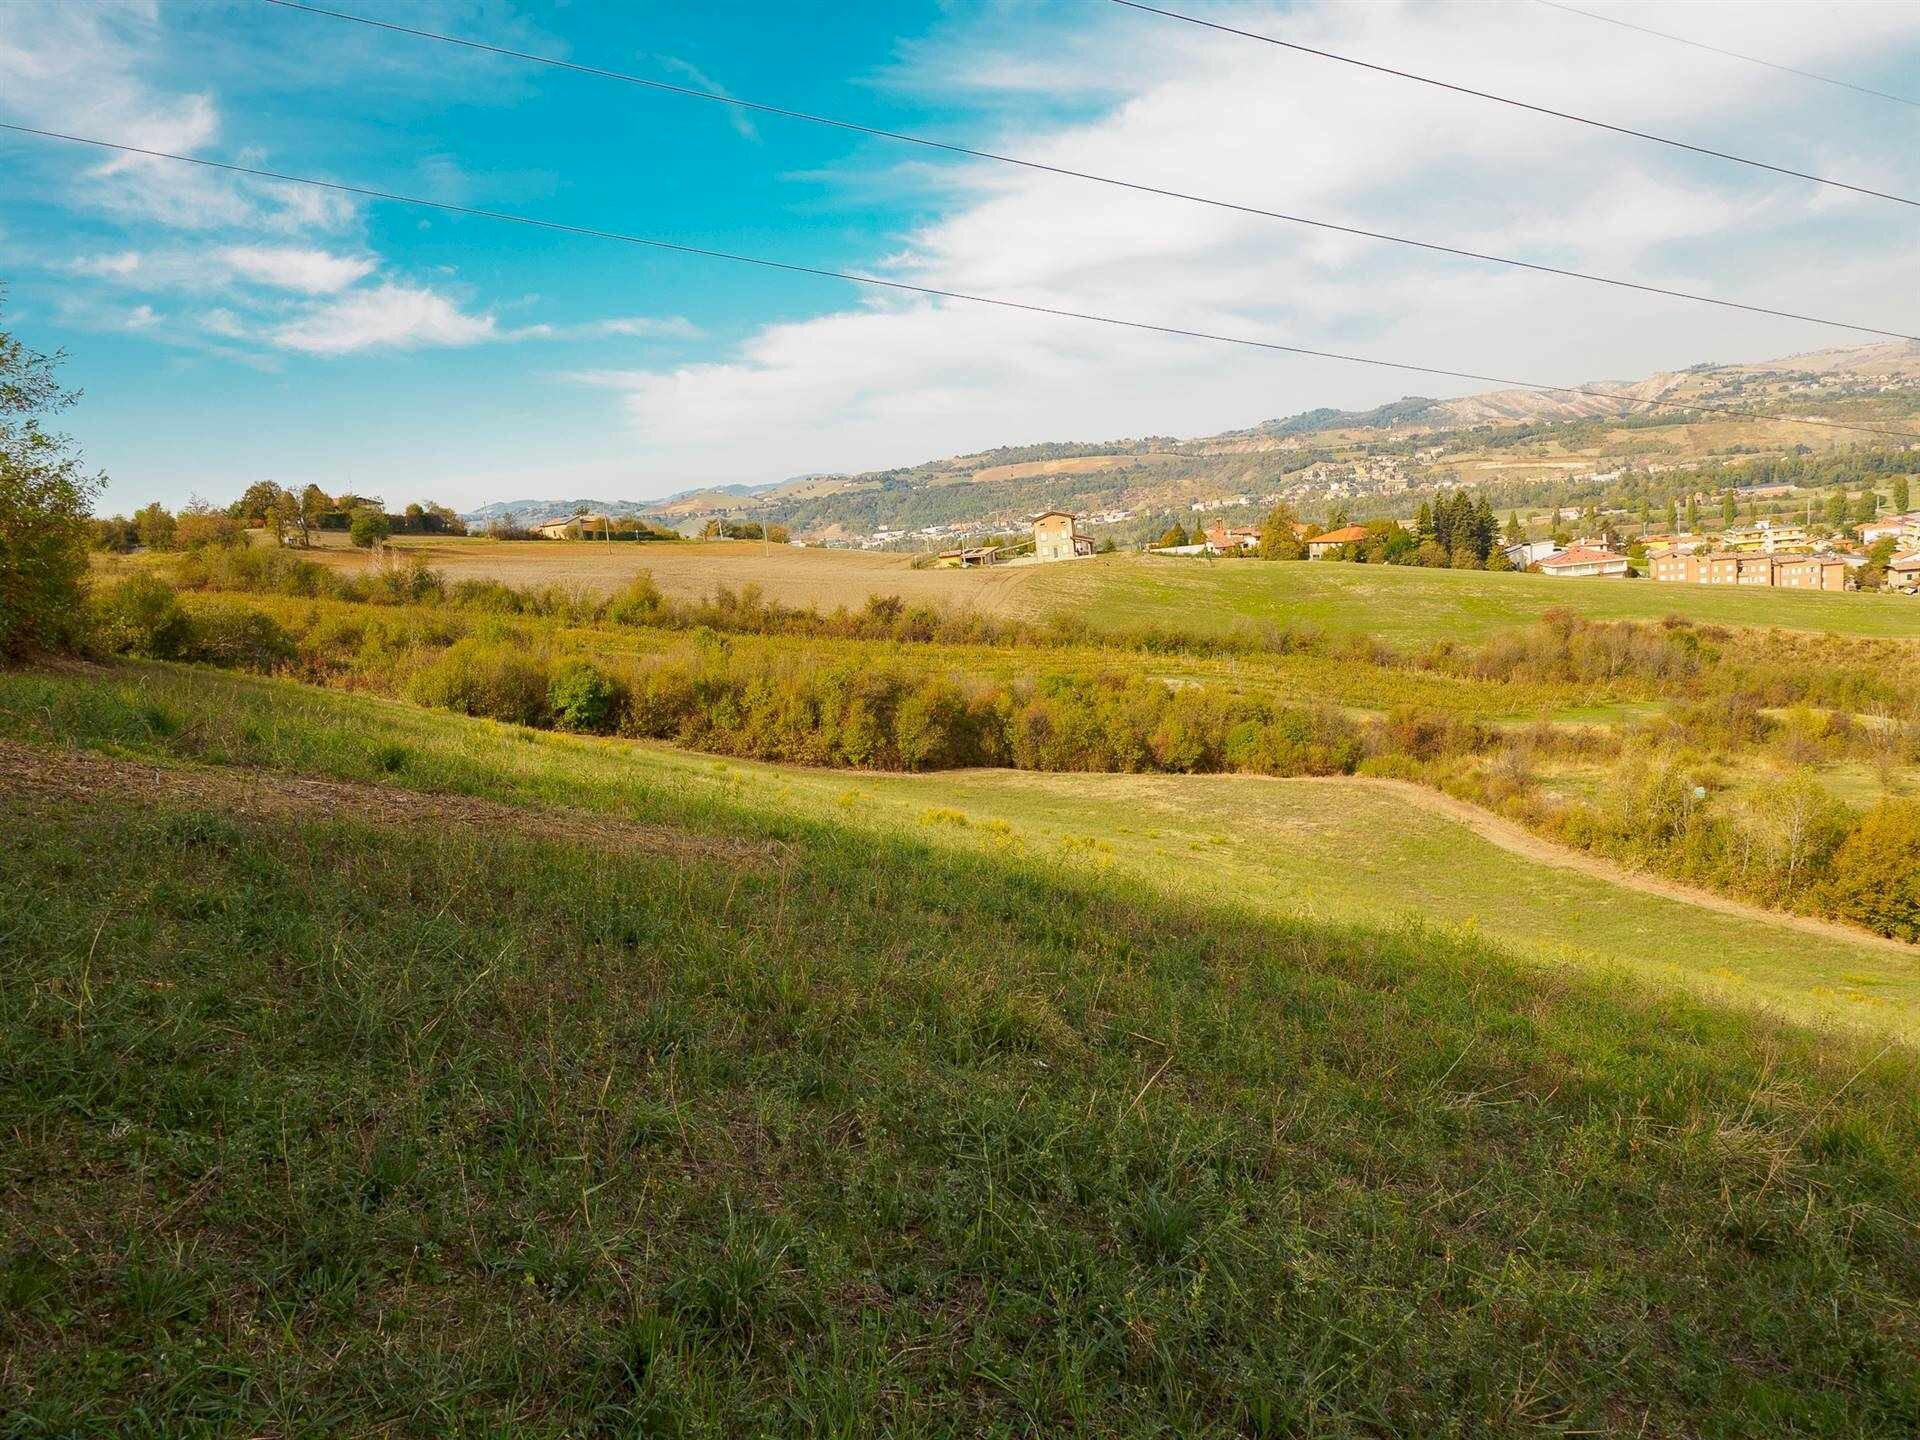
[(227, 330)]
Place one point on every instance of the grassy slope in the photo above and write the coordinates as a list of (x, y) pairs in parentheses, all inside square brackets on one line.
[(1292, 850), (1405, 605), (327, 1126)]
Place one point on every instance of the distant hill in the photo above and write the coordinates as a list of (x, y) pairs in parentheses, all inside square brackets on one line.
[(1508, 438)]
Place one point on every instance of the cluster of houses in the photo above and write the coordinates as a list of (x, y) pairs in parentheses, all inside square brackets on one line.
[(1765, 553), (1785, 555)]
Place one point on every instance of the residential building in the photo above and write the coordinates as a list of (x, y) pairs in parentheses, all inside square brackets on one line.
[(571, 527), (1056, 537), (1321, 546), (1811, 572), (1529, 553), (1583, 561), (1903, 573), (1224, 538), (1767, 537), (1903, 530), (1734, 567)]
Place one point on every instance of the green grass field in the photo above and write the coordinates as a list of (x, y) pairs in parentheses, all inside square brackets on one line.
[(814, 1111), (1409, 606)]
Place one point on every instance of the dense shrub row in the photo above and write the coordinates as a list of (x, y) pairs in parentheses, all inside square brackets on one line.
[(893, 715)]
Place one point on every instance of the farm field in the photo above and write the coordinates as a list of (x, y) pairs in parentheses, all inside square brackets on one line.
[(1408, 606), (691, 571), (705, 1097), (1400, 604)]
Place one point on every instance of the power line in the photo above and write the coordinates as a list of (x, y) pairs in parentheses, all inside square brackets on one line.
[(1731, 54), (933, 292), (901, 137), (1519, 104)]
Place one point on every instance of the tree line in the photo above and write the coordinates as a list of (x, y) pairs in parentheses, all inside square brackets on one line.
[(290, 517)]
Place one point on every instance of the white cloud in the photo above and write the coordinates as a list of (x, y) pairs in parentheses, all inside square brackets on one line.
[(886, 381), (82, 68), (389, 316), (290, 267), (641, 327)]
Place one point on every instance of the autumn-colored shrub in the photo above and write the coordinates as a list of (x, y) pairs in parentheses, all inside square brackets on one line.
[(1873, 878)]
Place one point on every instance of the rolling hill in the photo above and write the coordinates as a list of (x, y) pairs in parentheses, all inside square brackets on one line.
[(1509, 439)]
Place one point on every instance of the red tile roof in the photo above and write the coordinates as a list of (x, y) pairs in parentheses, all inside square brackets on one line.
[(1579, 555), (1345, 535)]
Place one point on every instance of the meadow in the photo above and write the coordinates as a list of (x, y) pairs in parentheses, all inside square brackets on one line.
[(671, 1095), (1405, 605), (1401, 605)]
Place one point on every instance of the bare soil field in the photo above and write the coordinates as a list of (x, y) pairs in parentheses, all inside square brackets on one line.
[(823, 578)]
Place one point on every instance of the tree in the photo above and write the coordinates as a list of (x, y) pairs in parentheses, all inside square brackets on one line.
[(1423, 521), (200, 525), (1837, 509), (1673, 518), (1693, 515), (1901, 497), (117, 535), (1729, 509), (154, 524), (314, 503), (1337, 517), (1515, 533), (1482, 530), (1873, 574), (256, 503), (1277, 538), (44, 506), (369, 526), (287, 516), (1173, 535), (1867, 506)]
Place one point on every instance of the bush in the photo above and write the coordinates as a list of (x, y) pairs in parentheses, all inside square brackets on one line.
[(1874, 877), (497, 679), (368, 527), (142, 616), (584, 697), (239, 638)]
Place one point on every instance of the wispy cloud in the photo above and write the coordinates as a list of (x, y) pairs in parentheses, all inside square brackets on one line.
[(383, 317), (740, 120), (287, 267)]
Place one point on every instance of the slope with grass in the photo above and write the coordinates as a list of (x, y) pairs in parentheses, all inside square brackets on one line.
[(353, 1122), (1406, 605)]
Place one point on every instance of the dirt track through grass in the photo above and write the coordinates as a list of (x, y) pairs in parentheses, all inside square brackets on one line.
[(78, 777), (1518, 840)]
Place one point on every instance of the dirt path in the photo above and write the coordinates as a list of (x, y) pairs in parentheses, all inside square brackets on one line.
[(79, 777), (1523, 842)]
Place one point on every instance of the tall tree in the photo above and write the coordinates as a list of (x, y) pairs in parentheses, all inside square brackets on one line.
[(1730, 508), (45, 506), (1693, 514), (1901, 496)]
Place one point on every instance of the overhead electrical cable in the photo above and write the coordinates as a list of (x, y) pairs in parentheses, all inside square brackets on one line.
[(901, 137), (790, 267), (1686, 145), (1732, 54)]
